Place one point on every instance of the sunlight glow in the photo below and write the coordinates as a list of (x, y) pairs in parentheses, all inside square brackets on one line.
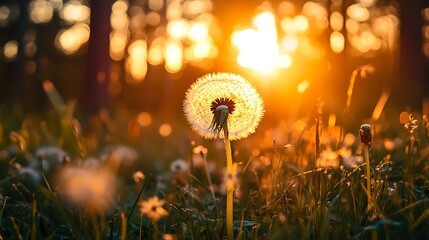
[(198, 31), (144, 119), (118, 42), (258, 48), (165, 130), (70, 40), (41, 11), (10, 50), (178, 28), (337, 41), (136, 63), (74, 12), (303, 86), (336, 21), (155, 54), (289, 43), (173, 56), (358, 12)]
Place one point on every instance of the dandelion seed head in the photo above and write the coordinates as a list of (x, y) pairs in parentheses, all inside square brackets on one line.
[(179, 165), (245, 106)]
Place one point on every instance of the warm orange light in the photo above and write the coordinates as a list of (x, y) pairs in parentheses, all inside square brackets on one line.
[(198, 31), (336, 21), (258, 48), (165, 130), (119, 21), (70, 40), (331, 120), (285, 61), (153, 18), (201, 50), (155, 54), (74, 12), (289, 43), (136, 63), (4, 15), (173, 56), (352, 26), (118, 42), (155, 5), (301, 24), (337, 41), (10, 50), (120, 6), (144, 119), (41, 11), (358, 12), (303, 86), (370, 40), (286, 8), (178, 28)]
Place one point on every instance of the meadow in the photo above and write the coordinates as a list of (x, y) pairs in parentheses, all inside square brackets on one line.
[(68, 178)]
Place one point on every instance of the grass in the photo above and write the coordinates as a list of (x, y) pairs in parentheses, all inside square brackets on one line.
[(312, 187)]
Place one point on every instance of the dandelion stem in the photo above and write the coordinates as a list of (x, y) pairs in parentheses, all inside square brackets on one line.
[(368, 185), (368, 171), (230, 187)]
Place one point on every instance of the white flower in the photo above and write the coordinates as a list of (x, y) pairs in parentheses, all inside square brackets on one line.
[(217, 99)]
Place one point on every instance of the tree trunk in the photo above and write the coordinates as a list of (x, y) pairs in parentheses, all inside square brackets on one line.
[(95, 94)]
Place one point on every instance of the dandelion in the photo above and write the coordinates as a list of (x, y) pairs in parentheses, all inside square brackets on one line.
[(179, 165), (328, 159), (153, 208), (88, 188), (220, 98), (179, 168), (224, 105)]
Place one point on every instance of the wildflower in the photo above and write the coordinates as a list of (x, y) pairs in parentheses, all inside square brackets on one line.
[(411, 125), (365, 134), (153, 209), (179, 165), (138, 176), (199, 156), (329, 159), (200, 150), (215, 100)]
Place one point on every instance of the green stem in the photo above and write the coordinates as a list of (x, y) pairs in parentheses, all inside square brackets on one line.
[(368, 171), (368, 185), (230, 187)]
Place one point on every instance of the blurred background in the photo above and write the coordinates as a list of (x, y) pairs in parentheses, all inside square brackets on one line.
[(132, 60)]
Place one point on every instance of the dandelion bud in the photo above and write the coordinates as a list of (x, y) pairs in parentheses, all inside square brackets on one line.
[(365, 134)]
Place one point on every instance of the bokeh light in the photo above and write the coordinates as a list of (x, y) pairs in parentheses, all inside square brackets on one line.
[(75, 12), (70, 40), (165, 130), (136, 63), (41, 11), (144, 119)]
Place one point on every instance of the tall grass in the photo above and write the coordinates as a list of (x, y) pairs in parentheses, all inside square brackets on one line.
[(308, 188)]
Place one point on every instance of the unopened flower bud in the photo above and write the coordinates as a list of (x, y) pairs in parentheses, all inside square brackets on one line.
[(365, 134)]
